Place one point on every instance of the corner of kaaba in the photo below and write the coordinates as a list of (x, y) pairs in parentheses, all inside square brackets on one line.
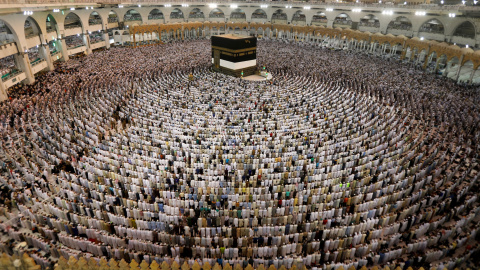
[(234, 55)]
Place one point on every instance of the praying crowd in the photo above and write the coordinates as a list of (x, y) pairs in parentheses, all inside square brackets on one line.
[(341, 159)]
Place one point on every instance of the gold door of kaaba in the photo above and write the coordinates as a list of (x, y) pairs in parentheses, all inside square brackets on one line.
[(216, 59)]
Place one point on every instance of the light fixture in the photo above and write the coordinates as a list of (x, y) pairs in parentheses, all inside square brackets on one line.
[(329, 9), (27, 13), (380, 1), (167, 5), (441, 2), (387, 12), (420, 13), (356, 10), (264, 6), (56, 10), (139, 5), (405, 3), (72, 8), (421, 38), (452, 15), (466, 46), (120, 6), (463, 2), (86, 7), (184, 5), (288, 6), (306, 7), (233, 6), (212, 5)]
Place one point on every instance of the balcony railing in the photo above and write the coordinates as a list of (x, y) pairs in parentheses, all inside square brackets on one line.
[(10, 75), (36, 61), (310, 2)]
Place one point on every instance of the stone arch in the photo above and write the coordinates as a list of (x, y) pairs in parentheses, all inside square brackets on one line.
[(177, 14), (132, 16), (453, 64), (476, 76), (279, 16), (51, 24), (94, 19), (401, 23), (320, 18), (259, 14), (465, 29), (431, 61), (369, 20), (72, 20), (155, 14), (195, 14), (112, 17), (433, 26), (238, 15), (216, 13), (7, 34), (31, 28), (342, 20), (465, 72), (442, 61), (421, 56), (299, 18)]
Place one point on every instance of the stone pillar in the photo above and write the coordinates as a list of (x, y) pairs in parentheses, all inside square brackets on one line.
[(459, 68), (470, 81), (63, 48), (445, 73), (44, 52), (86, 41), (3, 92), (107, 40), (22, 61)]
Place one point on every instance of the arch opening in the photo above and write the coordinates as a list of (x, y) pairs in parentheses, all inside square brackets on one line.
[(369, 21), (400, 26), (155, 14), (196, 13), (464, 34), (343, 21), (176, 14), (320, 18), (238, 15), (259, 14), (132, 16), (51, 24), (31, 28), (216, 14), (432, 26), (94, 19), (72, 21), (299, 18), (279, 16), (112, 17)]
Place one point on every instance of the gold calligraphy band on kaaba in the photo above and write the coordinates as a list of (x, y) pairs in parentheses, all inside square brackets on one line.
[(234, 51)]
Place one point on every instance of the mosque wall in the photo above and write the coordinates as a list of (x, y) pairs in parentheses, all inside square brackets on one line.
[(84, 27)]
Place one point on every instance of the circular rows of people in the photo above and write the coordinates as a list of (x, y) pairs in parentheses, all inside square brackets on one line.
[(341, 159)]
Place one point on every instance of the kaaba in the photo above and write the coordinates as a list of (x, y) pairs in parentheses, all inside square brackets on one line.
[(234, 54)]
